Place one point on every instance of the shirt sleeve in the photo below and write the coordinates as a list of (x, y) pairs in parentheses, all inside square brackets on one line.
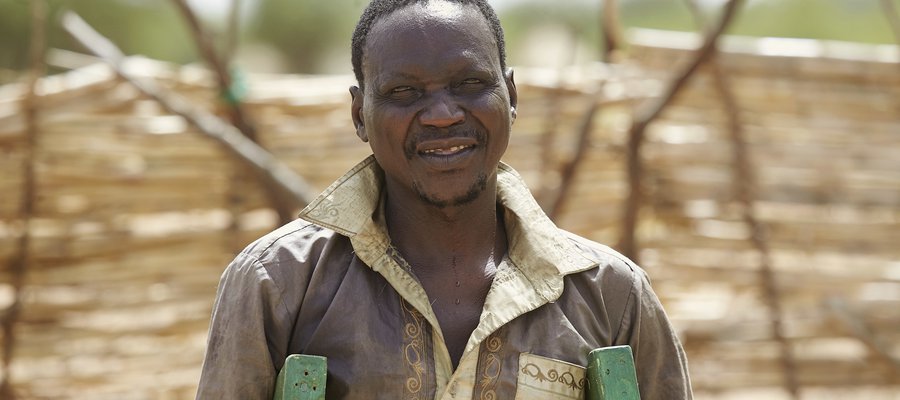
[(239, 357), (660, 360)]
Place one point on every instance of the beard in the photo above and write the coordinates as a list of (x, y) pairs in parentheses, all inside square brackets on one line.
[(474, 191)]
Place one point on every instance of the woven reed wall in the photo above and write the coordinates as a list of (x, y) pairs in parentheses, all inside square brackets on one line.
[(136, 213), (824, 131)]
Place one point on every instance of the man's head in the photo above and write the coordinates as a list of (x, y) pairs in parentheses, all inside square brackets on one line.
[(437, 105), (377, 9)]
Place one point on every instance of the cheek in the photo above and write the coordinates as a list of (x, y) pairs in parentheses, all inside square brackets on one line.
[(501, 143), (497, 103), (387, 131), (494, 113), (390, 120)]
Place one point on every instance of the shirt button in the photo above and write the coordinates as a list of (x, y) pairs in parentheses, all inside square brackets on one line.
[(453, 389)]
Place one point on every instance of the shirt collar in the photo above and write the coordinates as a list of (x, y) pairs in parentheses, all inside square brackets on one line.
[(536, 246)]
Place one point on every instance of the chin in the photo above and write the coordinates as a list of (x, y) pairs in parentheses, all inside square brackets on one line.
[(475, 190)]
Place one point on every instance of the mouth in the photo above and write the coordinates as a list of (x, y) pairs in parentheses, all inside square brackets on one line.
[(445, 146), (447, 151)]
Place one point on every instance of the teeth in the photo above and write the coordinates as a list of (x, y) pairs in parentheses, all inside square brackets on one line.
[(453, 149)]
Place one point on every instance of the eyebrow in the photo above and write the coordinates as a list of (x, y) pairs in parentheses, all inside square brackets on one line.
[(398, 75), (410, 76)]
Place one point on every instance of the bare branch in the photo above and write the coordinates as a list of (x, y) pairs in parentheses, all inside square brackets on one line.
[(270, 169), (569, 170), (652, 109), (548, 194), (646, 114), (204, 44), (235, 109), (745, 184), (745, 189), (223, 76), (612, 29)]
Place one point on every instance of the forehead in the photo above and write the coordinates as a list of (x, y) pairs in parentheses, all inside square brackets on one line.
[(434, 14), (435, 31)]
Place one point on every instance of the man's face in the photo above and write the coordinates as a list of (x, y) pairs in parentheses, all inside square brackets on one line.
[(436, 107)]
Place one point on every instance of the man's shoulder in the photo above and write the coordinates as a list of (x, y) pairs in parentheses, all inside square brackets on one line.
[(614, 279), (297, 236), (611, 268)]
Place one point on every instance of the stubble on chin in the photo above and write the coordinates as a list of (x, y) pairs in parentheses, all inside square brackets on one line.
[(478, 187)]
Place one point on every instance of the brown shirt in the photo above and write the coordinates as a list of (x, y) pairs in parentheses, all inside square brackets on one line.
[(331, 284)]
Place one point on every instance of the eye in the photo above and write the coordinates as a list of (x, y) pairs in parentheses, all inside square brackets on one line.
[(403, 93), (401, 90), (470, 85)]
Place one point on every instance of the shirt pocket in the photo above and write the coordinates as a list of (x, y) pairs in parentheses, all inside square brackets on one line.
[(545, 378)]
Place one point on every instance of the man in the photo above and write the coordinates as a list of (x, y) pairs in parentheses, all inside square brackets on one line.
[(428, 270)]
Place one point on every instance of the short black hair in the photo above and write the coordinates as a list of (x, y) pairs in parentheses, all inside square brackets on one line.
[(380, 8)]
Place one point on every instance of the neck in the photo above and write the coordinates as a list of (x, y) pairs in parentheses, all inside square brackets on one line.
[(464, 236)]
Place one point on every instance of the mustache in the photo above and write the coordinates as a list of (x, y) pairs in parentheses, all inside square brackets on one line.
[(431, 133)]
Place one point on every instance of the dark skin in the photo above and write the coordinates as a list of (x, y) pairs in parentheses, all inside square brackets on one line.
[(437, 110)]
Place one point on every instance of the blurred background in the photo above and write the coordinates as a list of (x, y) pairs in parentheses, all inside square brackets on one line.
[(308, 36), (761, 190)]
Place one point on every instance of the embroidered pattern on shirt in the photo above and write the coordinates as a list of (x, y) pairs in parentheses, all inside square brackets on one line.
[(566, 377), (414, 350), (490, 364), (542, 377)]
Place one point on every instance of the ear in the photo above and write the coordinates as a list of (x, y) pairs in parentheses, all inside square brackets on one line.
[(513, 93), (356, 106)]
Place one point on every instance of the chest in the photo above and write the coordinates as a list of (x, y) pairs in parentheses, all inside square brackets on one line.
[(457, 303), (376, 342)]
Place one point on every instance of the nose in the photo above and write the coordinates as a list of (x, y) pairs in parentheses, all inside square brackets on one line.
[(442, 111)]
